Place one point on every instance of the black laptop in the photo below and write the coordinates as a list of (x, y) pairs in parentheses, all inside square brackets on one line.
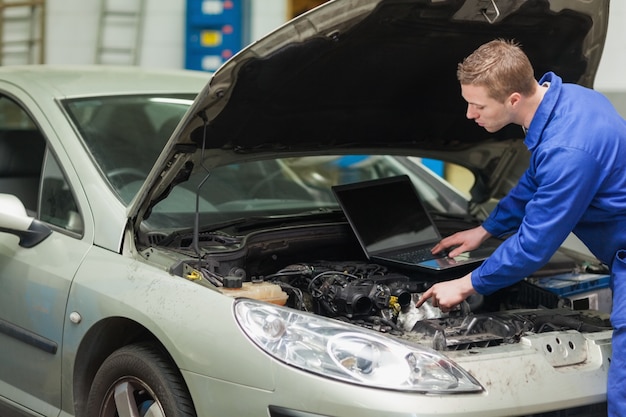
[(394, 227)]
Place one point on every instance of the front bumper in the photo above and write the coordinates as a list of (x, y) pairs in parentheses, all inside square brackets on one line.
[(530, 378), (593, 410)]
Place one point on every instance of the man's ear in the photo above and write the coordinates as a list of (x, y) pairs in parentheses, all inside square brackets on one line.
[(514, 99)]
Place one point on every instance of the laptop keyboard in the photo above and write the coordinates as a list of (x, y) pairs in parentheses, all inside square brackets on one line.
[(416, 255)]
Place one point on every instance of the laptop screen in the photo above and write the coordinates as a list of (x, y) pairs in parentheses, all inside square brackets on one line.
[(386, 214)]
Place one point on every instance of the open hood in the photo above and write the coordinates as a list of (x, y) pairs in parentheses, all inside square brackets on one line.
[(366, 75)]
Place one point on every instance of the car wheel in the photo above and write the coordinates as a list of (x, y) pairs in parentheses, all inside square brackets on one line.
[(138, 380)]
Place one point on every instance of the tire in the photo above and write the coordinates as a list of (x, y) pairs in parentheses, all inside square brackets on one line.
[(139, 380)]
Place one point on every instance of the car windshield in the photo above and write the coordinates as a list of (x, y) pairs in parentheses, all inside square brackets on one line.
[(290, 186), (125, 136)]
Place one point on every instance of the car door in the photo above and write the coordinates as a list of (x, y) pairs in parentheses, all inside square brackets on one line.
[(34, 281)]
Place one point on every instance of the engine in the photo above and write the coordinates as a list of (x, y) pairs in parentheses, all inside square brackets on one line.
[(371, 296), (349, 290)]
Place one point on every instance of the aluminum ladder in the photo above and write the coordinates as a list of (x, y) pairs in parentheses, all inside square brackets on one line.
[(22, 31), (120, 32)]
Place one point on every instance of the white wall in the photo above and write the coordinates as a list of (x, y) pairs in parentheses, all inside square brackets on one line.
[(610, 75), (72, 28), (72, 32), (266, 15)]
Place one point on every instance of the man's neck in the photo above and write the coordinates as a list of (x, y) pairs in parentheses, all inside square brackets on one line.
[(531, 104)]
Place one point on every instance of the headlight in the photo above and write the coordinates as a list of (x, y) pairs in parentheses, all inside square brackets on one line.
[(347, 353)]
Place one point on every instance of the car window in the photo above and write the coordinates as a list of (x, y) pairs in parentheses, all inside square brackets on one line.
[(58, 206), (29, 171)]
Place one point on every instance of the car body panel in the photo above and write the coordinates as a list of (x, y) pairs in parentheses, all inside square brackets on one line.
[(35, 285), (136, 293)]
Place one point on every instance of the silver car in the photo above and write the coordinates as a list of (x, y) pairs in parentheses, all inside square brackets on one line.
[(171, 246)]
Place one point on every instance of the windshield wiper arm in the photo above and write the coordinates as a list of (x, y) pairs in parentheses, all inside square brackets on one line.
[(184, 238), (243, 223), (317, 215)]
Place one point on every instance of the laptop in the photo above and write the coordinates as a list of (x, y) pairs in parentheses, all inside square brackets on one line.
[(394, 227)]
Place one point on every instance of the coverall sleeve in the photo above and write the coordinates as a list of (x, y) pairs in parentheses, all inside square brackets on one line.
[(563, 191)]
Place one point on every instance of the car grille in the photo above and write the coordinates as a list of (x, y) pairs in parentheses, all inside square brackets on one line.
[(594, 410)]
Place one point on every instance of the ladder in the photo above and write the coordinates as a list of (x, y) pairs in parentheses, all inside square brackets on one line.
[(120, 32), (22, 30)]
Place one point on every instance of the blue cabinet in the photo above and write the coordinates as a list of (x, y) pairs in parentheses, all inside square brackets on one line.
[(214, 32)]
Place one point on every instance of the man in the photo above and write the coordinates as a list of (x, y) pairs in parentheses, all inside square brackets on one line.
[(576, 182)]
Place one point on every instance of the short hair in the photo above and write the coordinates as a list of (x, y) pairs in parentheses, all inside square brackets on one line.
[(501, 66)]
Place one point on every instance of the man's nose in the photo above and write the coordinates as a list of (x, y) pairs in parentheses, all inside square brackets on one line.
[(470, 113)]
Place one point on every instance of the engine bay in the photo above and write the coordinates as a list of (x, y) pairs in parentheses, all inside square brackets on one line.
[(271, 266)]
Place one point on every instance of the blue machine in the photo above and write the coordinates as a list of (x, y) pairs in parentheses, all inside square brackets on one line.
[(214, 32)]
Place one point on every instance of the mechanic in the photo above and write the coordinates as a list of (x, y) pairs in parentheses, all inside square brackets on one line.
[(576, 182)]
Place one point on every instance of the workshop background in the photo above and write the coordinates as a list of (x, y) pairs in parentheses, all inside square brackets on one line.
[(197, 34)]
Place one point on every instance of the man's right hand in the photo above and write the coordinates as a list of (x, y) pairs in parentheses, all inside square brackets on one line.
[(463, 241), (448, 294)]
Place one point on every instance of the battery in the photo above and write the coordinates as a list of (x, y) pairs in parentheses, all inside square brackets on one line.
[(579, 291)]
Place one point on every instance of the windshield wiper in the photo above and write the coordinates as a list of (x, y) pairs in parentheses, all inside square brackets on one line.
[(214, 234)]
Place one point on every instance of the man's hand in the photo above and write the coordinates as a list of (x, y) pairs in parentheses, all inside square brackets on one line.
[(462, 241), (448, 294)]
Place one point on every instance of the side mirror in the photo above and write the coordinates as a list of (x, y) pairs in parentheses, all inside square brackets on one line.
[(15, 220)]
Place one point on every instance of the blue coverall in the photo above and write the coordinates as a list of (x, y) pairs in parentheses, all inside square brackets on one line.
[(576, 182)]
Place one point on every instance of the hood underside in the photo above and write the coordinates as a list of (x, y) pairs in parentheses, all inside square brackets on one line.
[(363, 75), (389, 79)]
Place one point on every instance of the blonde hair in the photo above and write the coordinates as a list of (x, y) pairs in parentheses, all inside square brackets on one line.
[(502, 67)]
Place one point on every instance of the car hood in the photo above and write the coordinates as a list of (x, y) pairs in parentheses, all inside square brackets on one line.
[(376, 76)]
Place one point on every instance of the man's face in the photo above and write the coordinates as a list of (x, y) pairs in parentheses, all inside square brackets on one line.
[(484, 110)]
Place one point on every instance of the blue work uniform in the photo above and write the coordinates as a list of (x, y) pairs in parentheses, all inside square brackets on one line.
[(576, 182)]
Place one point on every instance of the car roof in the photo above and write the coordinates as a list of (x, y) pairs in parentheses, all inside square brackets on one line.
[(98, 80)]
